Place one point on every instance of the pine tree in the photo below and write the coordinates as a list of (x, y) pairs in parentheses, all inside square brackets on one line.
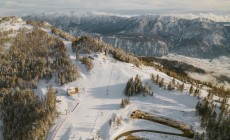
[(181, 87), (161, 83), (191, 89), (197, 92), (173, 82), (152, 77), (210, 95), (170, 86), (223, 108), (134, 87), (157, 79), (124, 102), (51, 99)]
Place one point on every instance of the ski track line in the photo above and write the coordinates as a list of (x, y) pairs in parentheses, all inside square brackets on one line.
[(56, 131), (100, 105), (58, 128), (103, 101), (53, 137)]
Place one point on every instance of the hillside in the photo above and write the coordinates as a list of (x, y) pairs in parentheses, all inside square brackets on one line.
[(30, 54), (83, 81), (147, 35), (101, 91)]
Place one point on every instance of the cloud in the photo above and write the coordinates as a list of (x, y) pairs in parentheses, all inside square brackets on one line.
[(211, 16), (8, 7)]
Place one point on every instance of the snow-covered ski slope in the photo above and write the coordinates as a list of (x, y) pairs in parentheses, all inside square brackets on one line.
[(86, 115)]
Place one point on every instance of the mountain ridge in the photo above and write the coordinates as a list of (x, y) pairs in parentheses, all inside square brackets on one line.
[(148, 35)]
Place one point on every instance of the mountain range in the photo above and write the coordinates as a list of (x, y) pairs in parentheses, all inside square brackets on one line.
[(147, 35)]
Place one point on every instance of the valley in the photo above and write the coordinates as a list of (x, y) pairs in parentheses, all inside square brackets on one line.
[(217, 70)]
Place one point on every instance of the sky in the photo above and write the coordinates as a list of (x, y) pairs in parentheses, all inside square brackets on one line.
[(22, 7)]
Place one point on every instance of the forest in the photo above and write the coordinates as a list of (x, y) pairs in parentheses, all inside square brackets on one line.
[(33, 55)]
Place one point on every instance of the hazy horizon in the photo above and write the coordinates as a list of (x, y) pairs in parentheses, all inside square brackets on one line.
[(219, 9)]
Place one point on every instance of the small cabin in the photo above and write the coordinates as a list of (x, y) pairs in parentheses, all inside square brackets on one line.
[(71, 91)]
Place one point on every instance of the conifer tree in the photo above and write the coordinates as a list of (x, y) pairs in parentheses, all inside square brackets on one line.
[(173, 82), (197, 92), (170, 86), (161, 83), (191, 89), (135, 86), (181, 87), (157, 79)]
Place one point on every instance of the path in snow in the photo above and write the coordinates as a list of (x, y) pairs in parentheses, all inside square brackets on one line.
[(97, 105)]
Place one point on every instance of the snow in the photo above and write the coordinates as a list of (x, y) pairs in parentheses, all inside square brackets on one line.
[(14, 24), (150, 136), (203, 16), (215, 68), (99, 13), (86, 114)]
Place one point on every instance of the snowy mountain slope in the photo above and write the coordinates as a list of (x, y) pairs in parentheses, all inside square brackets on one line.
[(9, 27), (87, 114), (148, 35), (26, 42), (96, 107)]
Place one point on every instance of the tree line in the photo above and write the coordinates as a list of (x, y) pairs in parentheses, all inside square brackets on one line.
[(217, 90), (90, 45)]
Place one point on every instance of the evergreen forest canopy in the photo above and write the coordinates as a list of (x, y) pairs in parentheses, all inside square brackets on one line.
[(34, 55)]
